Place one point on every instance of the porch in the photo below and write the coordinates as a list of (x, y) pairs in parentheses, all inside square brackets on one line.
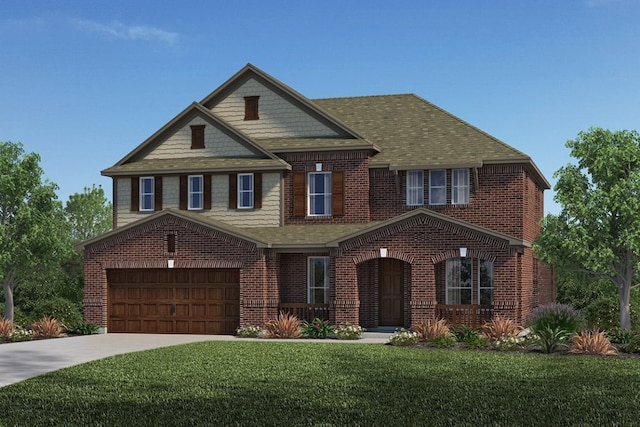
[(471, 315)]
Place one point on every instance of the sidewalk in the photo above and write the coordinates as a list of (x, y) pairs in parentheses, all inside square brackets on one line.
[(22, 360)]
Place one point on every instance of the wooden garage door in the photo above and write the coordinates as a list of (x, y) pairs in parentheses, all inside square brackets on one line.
[(178, 301)]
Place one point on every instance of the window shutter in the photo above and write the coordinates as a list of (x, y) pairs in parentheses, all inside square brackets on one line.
[(337, 193), (135, 193), (299, 194), (157, 193), (207, 191), (251, 107), (184, 192), (233, 191), (257, 190), (197, 136)]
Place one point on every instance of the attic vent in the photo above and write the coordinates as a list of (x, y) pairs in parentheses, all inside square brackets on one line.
[(197, 136), (251, 107)]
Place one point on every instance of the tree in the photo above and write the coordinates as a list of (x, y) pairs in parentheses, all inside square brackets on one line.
[(32, 228), (88, 213), (598, 228)]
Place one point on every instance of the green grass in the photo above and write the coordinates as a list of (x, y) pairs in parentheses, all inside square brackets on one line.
[(316, 384)]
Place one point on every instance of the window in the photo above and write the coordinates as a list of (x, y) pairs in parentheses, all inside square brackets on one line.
[(466, 287), (251, 107), (485, 279), (196, 192), (146, 193), (438, 187), (318, 280), (415, 188), (459, 281), (460, 186), (319, 193), (245, 190), (197, 136)]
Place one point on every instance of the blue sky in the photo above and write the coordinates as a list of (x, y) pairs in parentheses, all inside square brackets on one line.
[(84, 82)]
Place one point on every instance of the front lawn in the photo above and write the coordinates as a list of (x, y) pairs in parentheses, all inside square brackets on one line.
[(316, 384)]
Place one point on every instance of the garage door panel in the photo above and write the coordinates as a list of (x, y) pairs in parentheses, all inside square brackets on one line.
[(174, 301)]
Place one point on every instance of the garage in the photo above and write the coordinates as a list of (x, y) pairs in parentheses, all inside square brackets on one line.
[(174, 301)]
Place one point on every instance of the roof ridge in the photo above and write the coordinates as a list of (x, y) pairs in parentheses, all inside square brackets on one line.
[(364, 96)]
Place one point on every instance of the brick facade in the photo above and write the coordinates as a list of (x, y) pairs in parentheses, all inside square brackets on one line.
[(498, 224)]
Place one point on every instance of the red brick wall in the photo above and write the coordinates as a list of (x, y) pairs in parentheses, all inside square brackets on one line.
[(356, 182)]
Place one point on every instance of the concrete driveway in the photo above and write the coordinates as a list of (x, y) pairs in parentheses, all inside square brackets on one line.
[(23, 360)]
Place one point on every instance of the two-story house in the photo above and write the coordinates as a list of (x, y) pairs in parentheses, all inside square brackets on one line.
[(376, 210)]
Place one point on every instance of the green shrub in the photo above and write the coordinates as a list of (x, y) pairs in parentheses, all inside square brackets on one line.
[(83, 328), (463, 333), (316, 329), (403, 338), (633, 346), (556, 317), (620, 336), (445, 341), (59, 308), (550, 339), (347, 331)]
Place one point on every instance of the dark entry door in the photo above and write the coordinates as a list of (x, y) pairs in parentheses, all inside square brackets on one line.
[(391, 292)]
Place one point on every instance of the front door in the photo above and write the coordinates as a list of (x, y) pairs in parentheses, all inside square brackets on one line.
[(391, 293)]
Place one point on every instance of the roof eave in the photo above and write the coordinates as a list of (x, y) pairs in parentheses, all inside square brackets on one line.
[(108, 173)]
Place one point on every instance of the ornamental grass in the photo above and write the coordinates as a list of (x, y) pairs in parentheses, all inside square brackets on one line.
[(430, 329), (47, 327), (499, 327), (592, 341), (285, 326)]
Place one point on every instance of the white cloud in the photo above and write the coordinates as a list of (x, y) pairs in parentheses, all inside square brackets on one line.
[(126, 32)]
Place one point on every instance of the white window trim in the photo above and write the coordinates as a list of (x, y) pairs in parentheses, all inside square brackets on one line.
[(448, 286), (310, 279), (241, 191), (432, 187), (191, 192), (143, 194), (457, 187), (327, 194), (417, 191)]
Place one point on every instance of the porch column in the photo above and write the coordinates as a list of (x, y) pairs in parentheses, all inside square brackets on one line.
[(346, 302), (423, 292), (272, 264)]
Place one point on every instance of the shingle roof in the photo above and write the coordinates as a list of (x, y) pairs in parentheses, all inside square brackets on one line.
[(195, 164)]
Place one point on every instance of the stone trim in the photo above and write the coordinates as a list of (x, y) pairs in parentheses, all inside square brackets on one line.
[(177, 264), (454, 253), (345, 303), (420, 303), (369, 255)]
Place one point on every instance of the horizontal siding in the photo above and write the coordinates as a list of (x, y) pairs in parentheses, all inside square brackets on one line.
[(278, 117), (268, 216), (216, 144)]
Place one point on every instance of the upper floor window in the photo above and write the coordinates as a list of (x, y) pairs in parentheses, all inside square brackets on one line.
[(438, 187), (147, 201), (196, 192), (251, 107), (415, 188), (318, 280), (460, 186), (319, 192), (245, 190), (197, 136)]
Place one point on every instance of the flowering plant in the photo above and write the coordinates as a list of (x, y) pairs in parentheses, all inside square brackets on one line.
[(347, 331), (248, 331), (403, 338), (317, 328)]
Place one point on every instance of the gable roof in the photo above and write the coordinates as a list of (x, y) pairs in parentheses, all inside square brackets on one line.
[(413, 133), (301, 237), (194, 110), (250, 71)]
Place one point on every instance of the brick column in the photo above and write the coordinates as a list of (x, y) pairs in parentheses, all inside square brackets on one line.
[(346, 302)]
